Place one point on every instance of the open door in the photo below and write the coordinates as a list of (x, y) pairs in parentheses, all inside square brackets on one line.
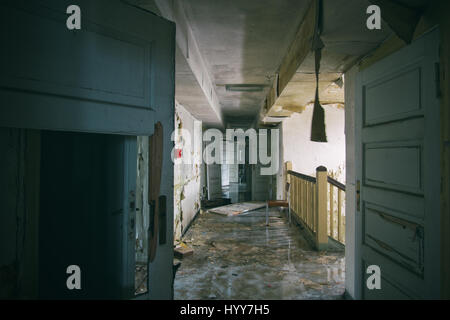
[(214, 181), (262, 184), (398, 173), (91, 91)]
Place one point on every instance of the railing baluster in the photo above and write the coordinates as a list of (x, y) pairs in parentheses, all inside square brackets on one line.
[(322, 225), (293, 193), (308, 221), (311, 221), (296, 196), (339, 214), (306, 203), (343, 220), (302, 199), (331, 212), (299, 198), (314, 208)]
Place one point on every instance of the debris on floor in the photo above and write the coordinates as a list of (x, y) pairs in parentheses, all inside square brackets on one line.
[(206, 204), (181, 252), (141, 276), (239, 257), (238, 208)]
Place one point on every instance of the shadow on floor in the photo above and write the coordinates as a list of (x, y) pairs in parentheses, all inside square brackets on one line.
[(240, 258)]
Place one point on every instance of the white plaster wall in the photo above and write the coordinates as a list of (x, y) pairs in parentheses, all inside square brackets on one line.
[(187, 176), (306, 155)]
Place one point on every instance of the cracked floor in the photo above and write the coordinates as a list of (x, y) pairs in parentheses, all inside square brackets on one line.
[(239, 257)]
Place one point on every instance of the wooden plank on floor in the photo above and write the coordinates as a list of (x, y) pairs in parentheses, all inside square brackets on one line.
[(238, 208)]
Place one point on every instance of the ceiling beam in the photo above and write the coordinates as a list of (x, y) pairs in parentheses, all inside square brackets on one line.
[(174, 11), (298, 51)]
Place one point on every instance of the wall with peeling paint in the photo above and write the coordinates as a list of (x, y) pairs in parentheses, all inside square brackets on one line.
[(187, 174), (306, 155), (142, 206)]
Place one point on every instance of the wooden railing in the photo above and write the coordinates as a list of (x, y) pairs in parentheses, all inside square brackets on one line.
[(318, 204), (336, 210), (302, 198)]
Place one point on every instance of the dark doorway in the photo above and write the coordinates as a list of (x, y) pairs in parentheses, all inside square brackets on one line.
[(81, 214)]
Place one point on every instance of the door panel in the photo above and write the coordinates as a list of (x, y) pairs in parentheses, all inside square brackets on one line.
[(396, 166), (397, 130), (403, 90), (101, 78), (93, 59)]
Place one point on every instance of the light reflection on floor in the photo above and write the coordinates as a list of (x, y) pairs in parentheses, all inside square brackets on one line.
[(240, 258)]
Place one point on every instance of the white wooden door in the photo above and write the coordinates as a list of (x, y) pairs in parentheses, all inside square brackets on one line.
[(113, 76), (397, 168), (102, 78)]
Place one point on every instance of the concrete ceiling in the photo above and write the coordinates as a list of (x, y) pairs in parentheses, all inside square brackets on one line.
[(243, 42)]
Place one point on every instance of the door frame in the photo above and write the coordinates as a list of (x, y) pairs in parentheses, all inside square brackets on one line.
[(129, 217)]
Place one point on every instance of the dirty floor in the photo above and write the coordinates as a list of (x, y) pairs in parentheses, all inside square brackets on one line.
[(140, 279), (238, 257)]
